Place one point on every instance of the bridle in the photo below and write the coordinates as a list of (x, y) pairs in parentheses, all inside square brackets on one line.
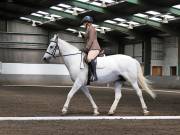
[(57, 48), (54, 51)]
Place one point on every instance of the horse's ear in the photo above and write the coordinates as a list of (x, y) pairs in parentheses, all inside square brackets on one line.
[(55, 36)]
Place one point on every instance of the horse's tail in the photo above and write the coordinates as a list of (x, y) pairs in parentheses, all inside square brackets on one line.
[(144, 83)]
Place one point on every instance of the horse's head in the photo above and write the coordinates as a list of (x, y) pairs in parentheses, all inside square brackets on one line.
[(52, 50)]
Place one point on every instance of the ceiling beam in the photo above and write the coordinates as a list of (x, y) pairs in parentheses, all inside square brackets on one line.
[(145, 5), (174, 11), (64, 14), (87, 6), (114, 27), (62, 26), (123, 30), (161, 3), (148, 22), (78, 19), (65, 26), (160, 26)]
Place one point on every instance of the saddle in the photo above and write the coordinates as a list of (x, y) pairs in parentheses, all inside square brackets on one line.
[(92, 76), (101, 54)]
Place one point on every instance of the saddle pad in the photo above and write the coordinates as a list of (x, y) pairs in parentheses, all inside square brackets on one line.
[(100, 63)]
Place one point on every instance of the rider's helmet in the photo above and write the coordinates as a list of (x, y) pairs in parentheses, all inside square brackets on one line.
[(87, 19)]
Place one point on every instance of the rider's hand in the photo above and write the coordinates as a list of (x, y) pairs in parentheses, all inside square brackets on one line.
[(85, 50)]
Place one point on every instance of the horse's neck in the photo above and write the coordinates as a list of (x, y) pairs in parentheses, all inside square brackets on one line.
[(68, 49)]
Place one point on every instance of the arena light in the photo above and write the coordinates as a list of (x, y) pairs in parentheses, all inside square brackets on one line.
[(141, 15), (95, 25), (177, 6), (97, 4), (83, 32), (98, 29), (110, 21), (123, 24), (25, 18), (72, 30), (153, 13), (57, 8), (83, 0), (108, 1), (42, 12), (120, 20), (36, 14), (156, 19), (64, 5), (82, 26), (69, 11), (79, 9)]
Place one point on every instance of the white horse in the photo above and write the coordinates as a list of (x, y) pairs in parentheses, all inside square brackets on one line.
[(111, 69)]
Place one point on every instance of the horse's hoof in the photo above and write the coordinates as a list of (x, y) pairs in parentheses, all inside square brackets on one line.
[(96, 113), (64, 111), (146, 113), (110, 113)]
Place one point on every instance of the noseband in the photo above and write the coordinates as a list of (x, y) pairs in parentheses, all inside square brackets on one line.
[(54, 51)]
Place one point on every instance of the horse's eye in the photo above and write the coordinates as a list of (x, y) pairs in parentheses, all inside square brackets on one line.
[(51, 47)]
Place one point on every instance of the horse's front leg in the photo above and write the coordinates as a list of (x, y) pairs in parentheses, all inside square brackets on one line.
[(77, 84), (88, 95)]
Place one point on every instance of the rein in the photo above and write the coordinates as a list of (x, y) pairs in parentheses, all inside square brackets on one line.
[(57, 47)]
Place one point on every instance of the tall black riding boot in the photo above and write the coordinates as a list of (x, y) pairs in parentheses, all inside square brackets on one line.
[(89, 74), (93, 69)]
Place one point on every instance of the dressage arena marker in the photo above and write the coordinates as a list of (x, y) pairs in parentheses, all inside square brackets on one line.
[(66, 86), (70, 118)]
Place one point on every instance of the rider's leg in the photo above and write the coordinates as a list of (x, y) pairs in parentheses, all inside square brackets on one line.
[(92, 63), (93, 68)]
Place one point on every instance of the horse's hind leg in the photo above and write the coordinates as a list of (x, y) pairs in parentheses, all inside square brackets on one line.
[(118, 96), (139, 93), (77, 84), (88, 95)]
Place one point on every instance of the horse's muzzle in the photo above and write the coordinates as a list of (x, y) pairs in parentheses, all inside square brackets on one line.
[(45, 60)]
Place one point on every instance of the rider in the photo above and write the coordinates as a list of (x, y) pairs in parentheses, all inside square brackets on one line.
[(92, 46)]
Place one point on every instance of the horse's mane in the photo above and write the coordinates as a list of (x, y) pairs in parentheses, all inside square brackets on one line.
[(68, 44)]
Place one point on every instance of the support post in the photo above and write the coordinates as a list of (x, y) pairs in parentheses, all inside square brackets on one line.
[(147, 56), (178, 56), (121, 47)]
